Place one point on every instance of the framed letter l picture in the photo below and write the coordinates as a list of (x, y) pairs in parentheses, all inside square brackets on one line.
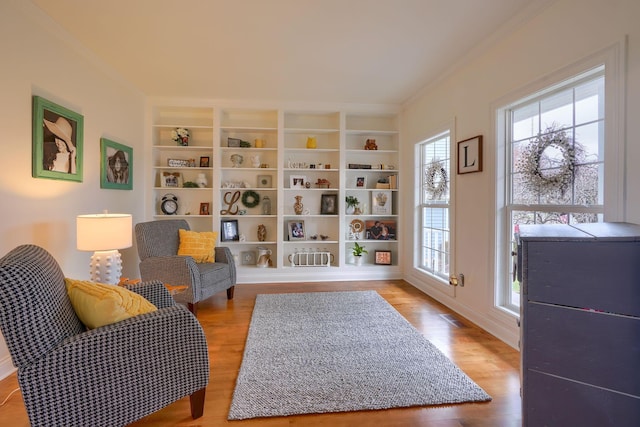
[(470, 155)]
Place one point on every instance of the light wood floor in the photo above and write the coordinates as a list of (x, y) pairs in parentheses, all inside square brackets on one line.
[(490, 363)]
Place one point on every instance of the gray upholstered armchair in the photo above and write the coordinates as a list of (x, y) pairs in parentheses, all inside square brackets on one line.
[(158, 243), (108, 376)]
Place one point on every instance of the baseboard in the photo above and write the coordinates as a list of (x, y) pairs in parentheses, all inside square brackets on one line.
[(6, 367), (316, 274), (509, 334)]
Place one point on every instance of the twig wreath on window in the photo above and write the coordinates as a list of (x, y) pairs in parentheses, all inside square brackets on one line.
[(540, 171), (435, 182), (250, 199)]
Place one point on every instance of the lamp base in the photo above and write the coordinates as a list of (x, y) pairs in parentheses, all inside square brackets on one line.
[(106, 267)]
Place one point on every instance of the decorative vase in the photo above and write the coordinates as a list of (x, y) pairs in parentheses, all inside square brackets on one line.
[(202, 180), (255, 161), (266, 205), (312, 142), (298, 206), (264, 257), (350, 210), (262, 233), (357, 260)]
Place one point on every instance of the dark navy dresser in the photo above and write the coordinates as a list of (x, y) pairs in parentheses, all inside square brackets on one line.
[(580, 324)]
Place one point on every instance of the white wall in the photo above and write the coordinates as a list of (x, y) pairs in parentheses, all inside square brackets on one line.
[(564, 33), (38, 59)]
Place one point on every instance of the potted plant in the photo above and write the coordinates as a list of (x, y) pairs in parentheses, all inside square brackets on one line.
[(351, 202), (357, 251)]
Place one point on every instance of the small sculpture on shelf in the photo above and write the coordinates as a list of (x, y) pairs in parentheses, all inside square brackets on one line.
[(202, 180), (323, 183), (236, 160), (370, 144)]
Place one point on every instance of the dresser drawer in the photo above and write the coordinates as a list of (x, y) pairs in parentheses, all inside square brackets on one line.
[(594, 348), (599, 275), (557, 402)]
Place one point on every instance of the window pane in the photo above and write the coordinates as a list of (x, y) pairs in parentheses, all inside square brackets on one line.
[(557, 110), (526, 121), (587, 185), (589, 101), (589, 138)]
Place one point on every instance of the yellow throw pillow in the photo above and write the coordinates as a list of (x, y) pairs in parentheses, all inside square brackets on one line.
[(199, 245), (97, 304)]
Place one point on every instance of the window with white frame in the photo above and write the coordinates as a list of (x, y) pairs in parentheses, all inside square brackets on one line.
[(435, 240), (554, 164)]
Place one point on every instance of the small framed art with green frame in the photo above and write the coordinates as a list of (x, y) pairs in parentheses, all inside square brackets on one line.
[(116, 165), (57, 141)]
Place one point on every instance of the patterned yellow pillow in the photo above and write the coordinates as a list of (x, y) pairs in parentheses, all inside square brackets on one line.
[(97, 304), (199, 245)]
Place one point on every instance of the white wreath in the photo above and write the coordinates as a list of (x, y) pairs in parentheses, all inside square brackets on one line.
[(533, 163), (436, 188)]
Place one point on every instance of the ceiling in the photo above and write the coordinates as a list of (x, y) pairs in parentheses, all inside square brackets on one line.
[(338, 51)]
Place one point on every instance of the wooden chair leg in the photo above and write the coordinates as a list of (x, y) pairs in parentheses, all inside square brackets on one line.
[(230, 292), (197, 403), (193, 308)]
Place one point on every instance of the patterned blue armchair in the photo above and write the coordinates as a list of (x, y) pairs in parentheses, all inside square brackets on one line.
[(108, 376), (158, 243)]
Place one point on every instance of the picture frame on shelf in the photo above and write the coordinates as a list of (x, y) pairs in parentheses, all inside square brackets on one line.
[(296, 230), (329, 204), (380, 229), (470, 155), (204, 208), (297, 181), (57, 144), (382, 258), (170, 179), (205, 161), (233, 142), (381, 202), (116, 165), (265, 181), (229, 230), (248, 257), (360, 182)]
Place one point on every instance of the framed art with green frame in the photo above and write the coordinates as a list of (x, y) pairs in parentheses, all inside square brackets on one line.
[(116, 165), (57, 141)]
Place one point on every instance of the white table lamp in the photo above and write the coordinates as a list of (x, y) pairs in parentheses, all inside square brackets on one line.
[(104, 234)]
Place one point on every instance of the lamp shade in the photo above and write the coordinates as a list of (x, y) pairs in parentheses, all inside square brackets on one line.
[(103, 232)]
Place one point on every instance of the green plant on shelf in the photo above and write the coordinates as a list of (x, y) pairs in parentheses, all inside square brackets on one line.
[(358, 250), (352, 201)]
